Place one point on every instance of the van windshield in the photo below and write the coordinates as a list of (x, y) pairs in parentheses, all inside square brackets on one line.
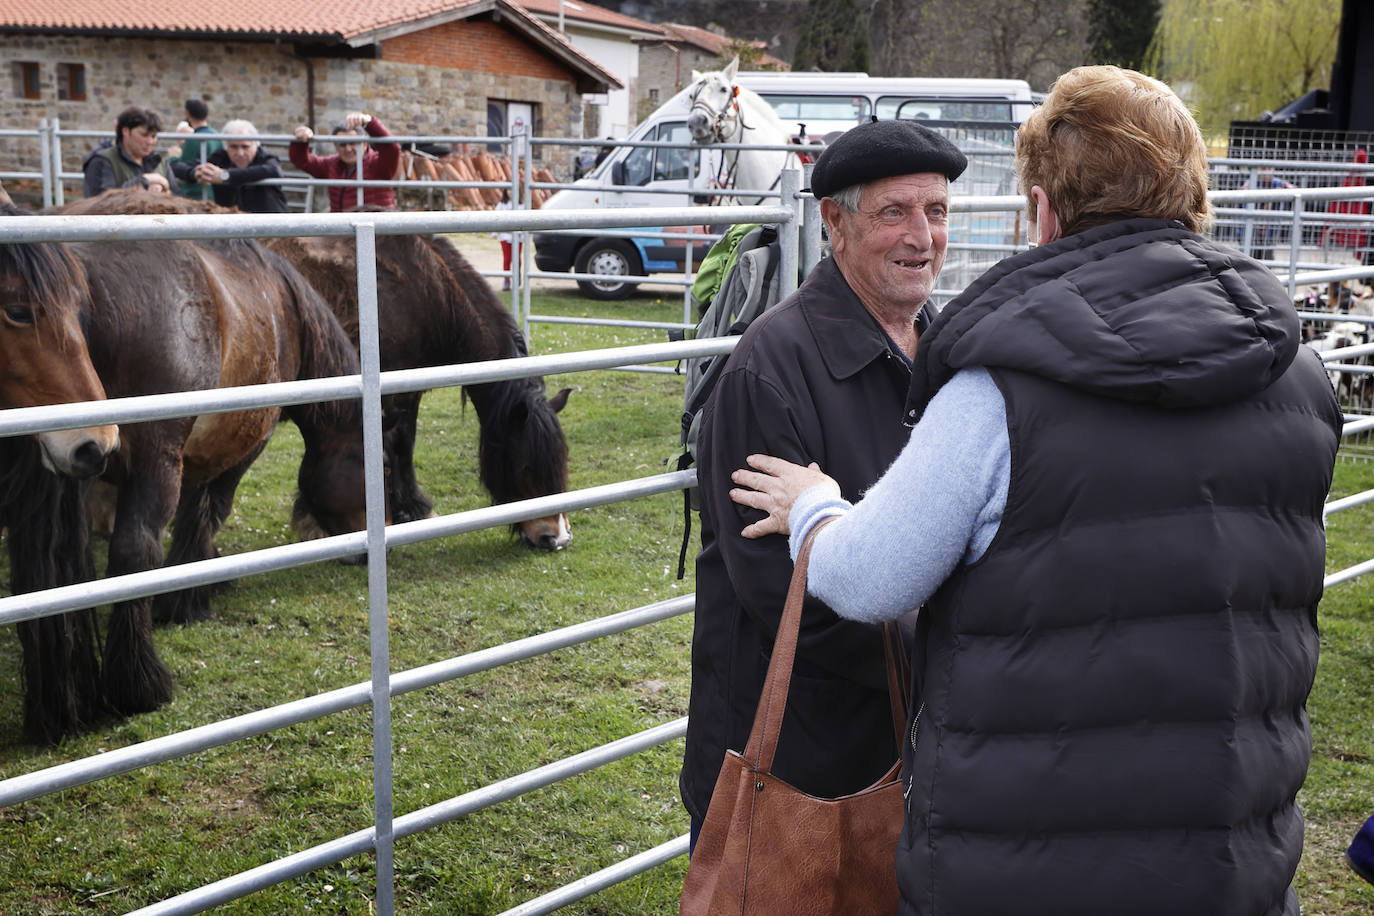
[(818, 108)]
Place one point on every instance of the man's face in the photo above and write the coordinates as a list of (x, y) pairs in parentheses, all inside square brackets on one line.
[(891, 250), (138, 142), (241, 152), (348, 151)]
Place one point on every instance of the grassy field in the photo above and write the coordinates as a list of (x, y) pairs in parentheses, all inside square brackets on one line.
[(135, 839)]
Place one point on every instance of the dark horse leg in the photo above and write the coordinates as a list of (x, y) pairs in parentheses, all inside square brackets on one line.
[(407, 501), (136, 680), (49, 545), (201, 512)]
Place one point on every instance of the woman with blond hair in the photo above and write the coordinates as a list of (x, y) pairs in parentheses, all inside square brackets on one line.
[(1109, 516)]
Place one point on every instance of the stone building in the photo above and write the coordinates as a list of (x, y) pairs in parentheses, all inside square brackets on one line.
[(450, 67), (666, 63)]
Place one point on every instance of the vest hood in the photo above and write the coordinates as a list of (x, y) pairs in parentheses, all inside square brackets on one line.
[(1140, 310)]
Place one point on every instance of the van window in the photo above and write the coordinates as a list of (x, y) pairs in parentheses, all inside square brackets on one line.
[(645, 163), (673, 164), (816, 108), (911, 109)]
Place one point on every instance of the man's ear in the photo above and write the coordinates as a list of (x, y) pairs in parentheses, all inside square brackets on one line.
[(831, 213), (1046, 219)]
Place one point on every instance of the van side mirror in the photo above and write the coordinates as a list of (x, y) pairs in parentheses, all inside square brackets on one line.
[(618, 172)]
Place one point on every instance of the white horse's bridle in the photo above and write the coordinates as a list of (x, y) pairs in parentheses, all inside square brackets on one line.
[(726, 123)]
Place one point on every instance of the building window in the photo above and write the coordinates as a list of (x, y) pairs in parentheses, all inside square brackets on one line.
[(27, 80), (71, 82), (653, 97)]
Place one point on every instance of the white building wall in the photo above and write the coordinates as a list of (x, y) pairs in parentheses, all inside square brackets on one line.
[(619, 55)]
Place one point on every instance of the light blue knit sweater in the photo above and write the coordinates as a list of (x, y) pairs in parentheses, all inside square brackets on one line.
[(939, 504)]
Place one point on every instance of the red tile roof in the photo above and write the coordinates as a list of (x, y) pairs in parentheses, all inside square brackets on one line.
[(711, 42), (338, 19), (589, 12)]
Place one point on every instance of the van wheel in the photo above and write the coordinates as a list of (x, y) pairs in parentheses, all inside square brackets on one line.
[(607, 258)]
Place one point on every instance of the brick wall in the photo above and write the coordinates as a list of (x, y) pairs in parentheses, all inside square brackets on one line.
[(433, 82)]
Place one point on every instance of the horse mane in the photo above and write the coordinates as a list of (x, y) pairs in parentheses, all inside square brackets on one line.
[(54, 277), (48, 524), (135, 201), (326, 349)]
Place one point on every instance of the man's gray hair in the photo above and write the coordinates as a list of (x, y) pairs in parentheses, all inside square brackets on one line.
[(240, 127), (849, 197)]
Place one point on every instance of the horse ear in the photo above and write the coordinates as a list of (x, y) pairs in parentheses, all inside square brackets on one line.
[(732, 69), (560, 400), (696, 76)]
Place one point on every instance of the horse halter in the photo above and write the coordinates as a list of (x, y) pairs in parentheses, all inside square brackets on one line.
[(729, 115)]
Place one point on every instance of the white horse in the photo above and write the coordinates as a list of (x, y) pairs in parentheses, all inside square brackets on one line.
[(723, 112)]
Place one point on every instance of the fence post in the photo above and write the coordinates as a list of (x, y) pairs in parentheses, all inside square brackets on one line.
[(789, 234), (365, 238), (527, 170), (44, 163), (59, 195), (811, 226), (1294, 243)]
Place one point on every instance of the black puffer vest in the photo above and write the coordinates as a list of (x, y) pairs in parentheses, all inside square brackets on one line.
[(1114, 694)]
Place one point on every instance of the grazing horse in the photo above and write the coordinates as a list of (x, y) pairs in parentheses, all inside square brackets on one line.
[(724, 112), (168, 316), (44, 360), (434, 309)]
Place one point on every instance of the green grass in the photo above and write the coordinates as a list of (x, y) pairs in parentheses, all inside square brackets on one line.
[(135, 839)]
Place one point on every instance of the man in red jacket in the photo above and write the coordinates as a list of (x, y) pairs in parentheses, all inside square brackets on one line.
[(378, 164)]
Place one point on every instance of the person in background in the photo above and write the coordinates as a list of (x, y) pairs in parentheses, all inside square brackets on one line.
[(378, 164), (184, 162), (232, 172), (1109, 514), (821, 376), (130, 159), (507, 240)]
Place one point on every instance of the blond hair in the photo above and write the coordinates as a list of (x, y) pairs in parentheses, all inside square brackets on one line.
[(1111, 144)]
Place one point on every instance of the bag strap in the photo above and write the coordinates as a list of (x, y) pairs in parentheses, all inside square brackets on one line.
[(898, 678), (763, 738)]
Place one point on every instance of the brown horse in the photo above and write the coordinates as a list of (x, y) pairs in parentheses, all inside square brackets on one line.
[(43, 360), (434, 309), (184, 316)]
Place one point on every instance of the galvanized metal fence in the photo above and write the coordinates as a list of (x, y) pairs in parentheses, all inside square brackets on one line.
[(370, 385)]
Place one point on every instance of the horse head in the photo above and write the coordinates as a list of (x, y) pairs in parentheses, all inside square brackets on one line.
[(331, 495), (714, 117), (523, 455), (43, 355)]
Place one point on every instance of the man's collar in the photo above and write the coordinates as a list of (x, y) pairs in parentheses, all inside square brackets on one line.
[(847, 335)]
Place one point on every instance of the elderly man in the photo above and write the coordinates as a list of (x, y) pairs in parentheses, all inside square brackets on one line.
[(820, 377), (232, 172), (130, 160)]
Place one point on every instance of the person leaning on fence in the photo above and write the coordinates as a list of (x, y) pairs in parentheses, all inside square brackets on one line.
[(378, 164), (130, 160), (185, 162), (1110, 516), (232, 172), (821, 376)]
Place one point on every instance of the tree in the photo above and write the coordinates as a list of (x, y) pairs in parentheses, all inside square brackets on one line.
[(1033, 40), (834, 36), (1120, 31), (750, 55), (1235, 59)]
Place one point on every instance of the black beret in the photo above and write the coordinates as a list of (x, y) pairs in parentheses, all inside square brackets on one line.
[(882, 149)]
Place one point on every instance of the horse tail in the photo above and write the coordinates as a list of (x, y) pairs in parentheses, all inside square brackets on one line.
[(325, 348), (48, 522)]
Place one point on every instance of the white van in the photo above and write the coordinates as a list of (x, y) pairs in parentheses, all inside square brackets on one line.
[(979, 115)]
